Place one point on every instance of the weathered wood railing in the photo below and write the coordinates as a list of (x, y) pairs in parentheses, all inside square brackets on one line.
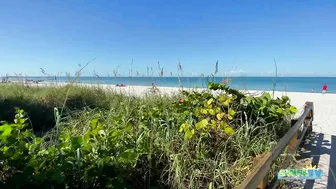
[(258, 178)]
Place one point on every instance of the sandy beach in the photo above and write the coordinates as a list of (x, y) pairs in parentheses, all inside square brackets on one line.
[(324, 104), (324, 109)]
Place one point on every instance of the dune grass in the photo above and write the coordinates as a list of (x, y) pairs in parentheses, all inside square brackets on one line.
[(95, 138)]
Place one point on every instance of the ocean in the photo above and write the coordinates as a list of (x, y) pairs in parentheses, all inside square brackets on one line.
[(289, 84)]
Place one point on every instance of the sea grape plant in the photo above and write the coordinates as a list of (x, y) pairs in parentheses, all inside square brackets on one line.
[(204, 111), (110, 149)]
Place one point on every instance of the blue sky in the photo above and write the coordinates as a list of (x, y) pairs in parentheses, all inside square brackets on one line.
[(240, 35)]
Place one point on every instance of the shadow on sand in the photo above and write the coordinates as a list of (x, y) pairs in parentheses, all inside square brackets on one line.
[(318, 144)]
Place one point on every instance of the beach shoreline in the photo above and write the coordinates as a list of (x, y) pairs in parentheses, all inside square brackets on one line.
[(291, 84)]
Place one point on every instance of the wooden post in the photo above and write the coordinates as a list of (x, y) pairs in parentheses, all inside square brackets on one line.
[(292, 142), (310, 116), (264, 181)]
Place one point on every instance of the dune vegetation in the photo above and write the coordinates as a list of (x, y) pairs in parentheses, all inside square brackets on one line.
[(87, 137)]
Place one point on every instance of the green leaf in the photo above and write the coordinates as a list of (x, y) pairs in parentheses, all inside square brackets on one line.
[(38, 140), (264, 101), (213, 122), (262, 108), (33, 163), (189, 134), (226, 102), (223, 124), (293, 109), (107, 158), (221, 98), (280, 111), (231, 112), (184, 127), (129, 154), (5, 148), (229, 131), (129, 128), (267, 96), (94, 123), (204, 111), (210, 101), (285, 99), (65, 137), (211, 112), (210, 84), (116, 133), (27, 133), (19, 121), (19, 111), (201, 124), (6, 130), (76, 142)]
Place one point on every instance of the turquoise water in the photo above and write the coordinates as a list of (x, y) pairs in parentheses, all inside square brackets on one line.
[(290, 84)]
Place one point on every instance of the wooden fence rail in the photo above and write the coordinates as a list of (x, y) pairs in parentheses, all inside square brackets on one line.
[(258, 178)]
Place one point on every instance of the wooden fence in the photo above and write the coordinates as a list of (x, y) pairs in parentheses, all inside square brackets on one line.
[(258, 178)]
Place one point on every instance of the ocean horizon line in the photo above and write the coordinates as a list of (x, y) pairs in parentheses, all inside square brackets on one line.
[(86, 76), (290, 84)]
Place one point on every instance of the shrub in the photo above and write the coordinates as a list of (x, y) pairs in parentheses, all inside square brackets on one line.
[(200, 140)]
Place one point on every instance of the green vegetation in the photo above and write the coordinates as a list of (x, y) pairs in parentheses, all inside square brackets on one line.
[(99, 139)]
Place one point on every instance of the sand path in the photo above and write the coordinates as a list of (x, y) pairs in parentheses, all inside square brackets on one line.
[(321, 147)]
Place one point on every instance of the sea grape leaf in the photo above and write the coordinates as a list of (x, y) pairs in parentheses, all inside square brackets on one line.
[(223, 124), (220, 116), (189, 134), (280, 111), (201, 124), (229, 131), (221, 98), (213, 122), (184, 127), (204, 111), (231, 112), (211, 112), (210, 101), (293, 109)]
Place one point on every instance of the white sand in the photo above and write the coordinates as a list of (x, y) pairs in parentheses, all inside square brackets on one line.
[(324, 109), (324, 104)]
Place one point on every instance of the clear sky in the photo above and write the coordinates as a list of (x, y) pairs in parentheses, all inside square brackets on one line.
[(241, 35)]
